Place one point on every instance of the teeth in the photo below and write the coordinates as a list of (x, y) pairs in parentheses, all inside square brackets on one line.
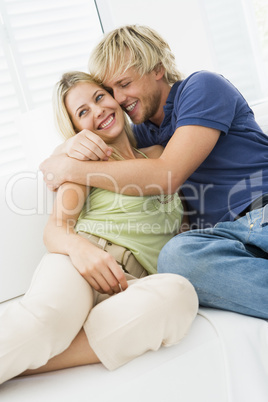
[(131, 107), (107, 122)]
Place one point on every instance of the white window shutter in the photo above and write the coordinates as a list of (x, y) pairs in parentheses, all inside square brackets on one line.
[(234, 41), (39, 41), (11, 153)]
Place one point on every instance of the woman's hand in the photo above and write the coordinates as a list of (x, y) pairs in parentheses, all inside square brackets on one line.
[(87, 145), (97, 267)]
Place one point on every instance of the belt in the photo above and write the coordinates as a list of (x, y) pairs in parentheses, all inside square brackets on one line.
[(123, 256), (260, 202)]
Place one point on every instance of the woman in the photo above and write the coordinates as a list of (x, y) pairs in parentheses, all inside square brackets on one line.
[(67, 318)]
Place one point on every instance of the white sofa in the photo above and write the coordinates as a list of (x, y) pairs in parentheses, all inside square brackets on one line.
[(223, 358)]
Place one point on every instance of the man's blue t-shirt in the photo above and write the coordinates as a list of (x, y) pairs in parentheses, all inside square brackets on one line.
[(236, 171)]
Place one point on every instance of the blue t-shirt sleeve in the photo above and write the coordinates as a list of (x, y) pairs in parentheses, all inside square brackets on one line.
[(208, 100)]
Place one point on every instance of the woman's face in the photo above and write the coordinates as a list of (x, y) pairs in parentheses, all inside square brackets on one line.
[(92, 108)]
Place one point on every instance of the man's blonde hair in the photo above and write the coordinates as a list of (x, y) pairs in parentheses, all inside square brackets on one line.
[(132, 46), (62, 119)]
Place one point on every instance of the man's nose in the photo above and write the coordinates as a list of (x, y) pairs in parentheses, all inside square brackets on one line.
[(119, 96)]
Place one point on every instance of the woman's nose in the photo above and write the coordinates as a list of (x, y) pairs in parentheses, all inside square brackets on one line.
[(98, 110)]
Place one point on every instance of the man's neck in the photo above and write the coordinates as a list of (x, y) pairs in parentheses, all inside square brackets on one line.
[(160, 114)]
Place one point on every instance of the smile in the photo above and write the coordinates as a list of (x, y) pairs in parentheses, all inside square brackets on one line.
[(131, 107), (106, 122)]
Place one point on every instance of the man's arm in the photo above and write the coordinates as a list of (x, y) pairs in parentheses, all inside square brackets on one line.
[(186, 150), (84, 146)]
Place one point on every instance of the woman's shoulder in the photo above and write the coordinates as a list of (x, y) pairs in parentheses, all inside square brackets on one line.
[(152, 152)]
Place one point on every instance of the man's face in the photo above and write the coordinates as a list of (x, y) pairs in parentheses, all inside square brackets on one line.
[(140, 97)]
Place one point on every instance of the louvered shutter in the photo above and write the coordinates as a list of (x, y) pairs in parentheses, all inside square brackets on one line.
[(39, 41), (235, 45)]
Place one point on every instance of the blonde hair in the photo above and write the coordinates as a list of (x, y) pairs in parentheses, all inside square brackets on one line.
[(62, 119), (146, 51)]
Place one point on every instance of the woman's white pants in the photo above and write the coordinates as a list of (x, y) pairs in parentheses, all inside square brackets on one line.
[(153, 311)]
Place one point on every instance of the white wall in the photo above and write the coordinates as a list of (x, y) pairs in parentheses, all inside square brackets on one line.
[(178, 21)]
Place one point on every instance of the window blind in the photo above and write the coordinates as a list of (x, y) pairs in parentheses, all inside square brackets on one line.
[(235, 43), (39, 41), (11, 155)]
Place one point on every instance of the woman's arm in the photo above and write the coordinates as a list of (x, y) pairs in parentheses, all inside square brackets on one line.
[(98, 267), (186, 150)]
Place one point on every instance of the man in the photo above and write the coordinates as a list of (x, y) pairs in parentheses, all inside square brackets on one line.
[(215, 152)]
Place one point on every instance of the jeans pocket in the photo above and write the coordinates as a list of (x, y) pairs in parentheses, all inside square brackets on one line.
[(264, 220)]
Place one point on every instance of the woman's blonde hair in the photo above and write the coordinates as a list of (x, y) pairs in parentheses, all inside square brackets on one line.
[(62, 119), (146, 50)]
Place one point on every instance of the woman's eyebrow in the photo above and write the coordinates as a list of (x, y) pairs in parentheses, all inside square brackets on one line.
[(93, 96), (80, 108)]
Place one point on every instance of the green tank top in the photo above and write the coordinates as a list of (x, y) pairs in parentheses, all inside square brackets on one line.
[(141, 224)]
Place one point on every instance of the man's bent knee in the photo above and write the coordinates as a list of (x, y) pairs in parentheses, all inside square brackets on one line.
[(175, 257)]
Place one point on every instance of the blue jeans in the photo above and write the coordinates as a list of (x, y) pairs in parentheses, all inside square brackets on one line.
[(227, 264)]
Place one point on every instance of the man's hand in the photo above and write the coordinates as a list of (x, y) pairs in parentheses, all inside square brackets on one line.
[(54, 169), (87, 146)]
